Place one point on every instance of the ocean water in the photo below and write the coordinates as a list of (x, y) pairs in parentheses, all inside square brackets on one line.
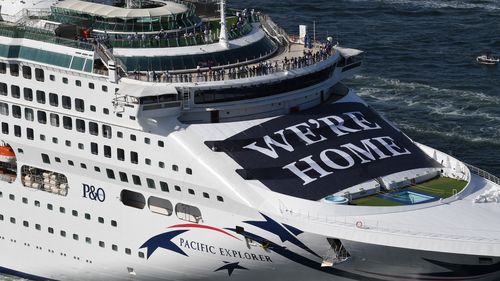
[(419, 69)]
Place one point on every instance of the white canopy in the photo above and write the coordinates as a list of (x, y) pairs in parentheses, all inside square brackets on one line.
[(106, 11)]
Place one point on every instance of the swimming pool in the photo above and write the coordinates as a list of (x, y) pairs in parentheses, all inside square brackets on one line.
[(408, 197)]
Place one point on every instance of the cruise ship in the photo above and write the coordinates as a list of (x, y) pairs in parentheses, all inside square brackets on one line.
[(142, 140)]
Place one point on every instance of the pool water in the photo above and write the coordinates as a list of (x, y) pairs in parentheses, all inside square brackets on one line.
[(408, 197)]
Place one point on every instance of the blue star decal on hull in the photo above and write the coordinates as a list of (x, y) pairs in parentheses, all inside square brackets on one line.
[(282, 232), (230, 267), (163, 241)]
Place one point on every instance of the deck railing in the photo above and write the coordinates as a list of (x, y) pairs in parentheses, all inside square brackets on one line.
[(483, 174)]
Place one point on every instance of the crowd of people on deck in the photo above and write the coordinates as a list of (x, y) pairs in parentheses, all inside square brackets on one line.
[(219, 73)]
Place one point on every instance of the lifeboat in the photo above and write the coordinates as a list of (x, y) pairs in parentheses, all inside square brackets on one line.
[(6, 153)]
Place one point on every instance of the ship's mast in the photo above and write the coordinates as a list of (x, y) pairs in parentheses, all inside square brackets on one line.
[(223, 31)]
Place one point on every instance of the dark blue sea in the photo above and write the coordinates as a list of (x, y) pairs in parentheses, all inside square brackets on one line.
[(419, 69)]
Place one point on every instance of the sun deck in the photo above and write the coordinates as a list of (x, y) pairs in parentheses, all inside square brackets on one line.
[(429, 191)]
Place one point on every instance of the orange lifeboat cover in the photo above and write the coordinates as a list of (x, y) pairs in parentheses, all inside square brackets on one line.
[(6, 151)]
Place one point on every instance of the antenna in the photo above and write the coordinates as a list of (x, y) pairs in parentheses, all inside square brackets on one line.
[(223, 31)]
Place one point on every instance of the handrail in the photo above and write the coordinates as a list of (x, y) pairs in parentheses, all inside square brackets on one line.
[(483, 174)]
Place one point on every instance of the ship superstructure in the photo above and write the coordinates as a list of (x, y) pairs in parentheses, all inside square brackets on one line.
[(140, 141)]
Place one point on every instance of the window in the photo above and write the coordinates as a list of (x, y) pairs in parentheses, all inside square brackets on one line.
[(106, 131), (3, 68), (78, 83), (175, 168), (219, 198), (83, 166), (163, 186), (114, 223), (38, 227), (75, 213), (147, 141), (80, 125), (87, 216), (63, 233), (132, 138), (189, 171), (42, 137), (15, 91), (26, 72), (177, 188), (97, 169), (52, 77), (5, 128), (206, 195), (4, 108), (147, 161), (119, 134), (3, 89), (188, 213), (107, 151), (81, 146), (100, 219), (120, 154), (91, 85), (26, 224), (53, 99), (71, 163), (191, 191), (28, 94), (30, 134), (88, 240), (17, 131), (110, 173), (105, 111), (134, 158), (42, 117), (54, 120), (75, 236), (132, 199), (93, 128), (14, 69), (104, 88), (16, 111), (161, 164), (66, 102), (65, 80), (114, 247), (161, 144), (102, 244), (67, 123), (123, 177), (93, 148), (39, 75), (128, 251), (141, 255), (150, 183), (57, 159), (136, 179), (40, 96), (50, 230), (79, 105), (92, 108), (45, 158), (29, 114), (25, 200)]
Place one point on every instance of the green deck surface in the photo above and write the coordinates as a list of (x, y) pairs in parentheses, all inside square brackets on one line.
[(438, 187)]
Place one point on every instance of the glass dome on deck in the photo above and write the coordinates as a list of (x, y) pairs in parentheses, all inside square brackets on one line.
[(166, 15)]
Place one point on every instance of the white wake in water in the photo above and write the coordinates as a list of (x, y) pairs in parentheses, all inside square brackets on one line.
[(491, 5), (426, 109)]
